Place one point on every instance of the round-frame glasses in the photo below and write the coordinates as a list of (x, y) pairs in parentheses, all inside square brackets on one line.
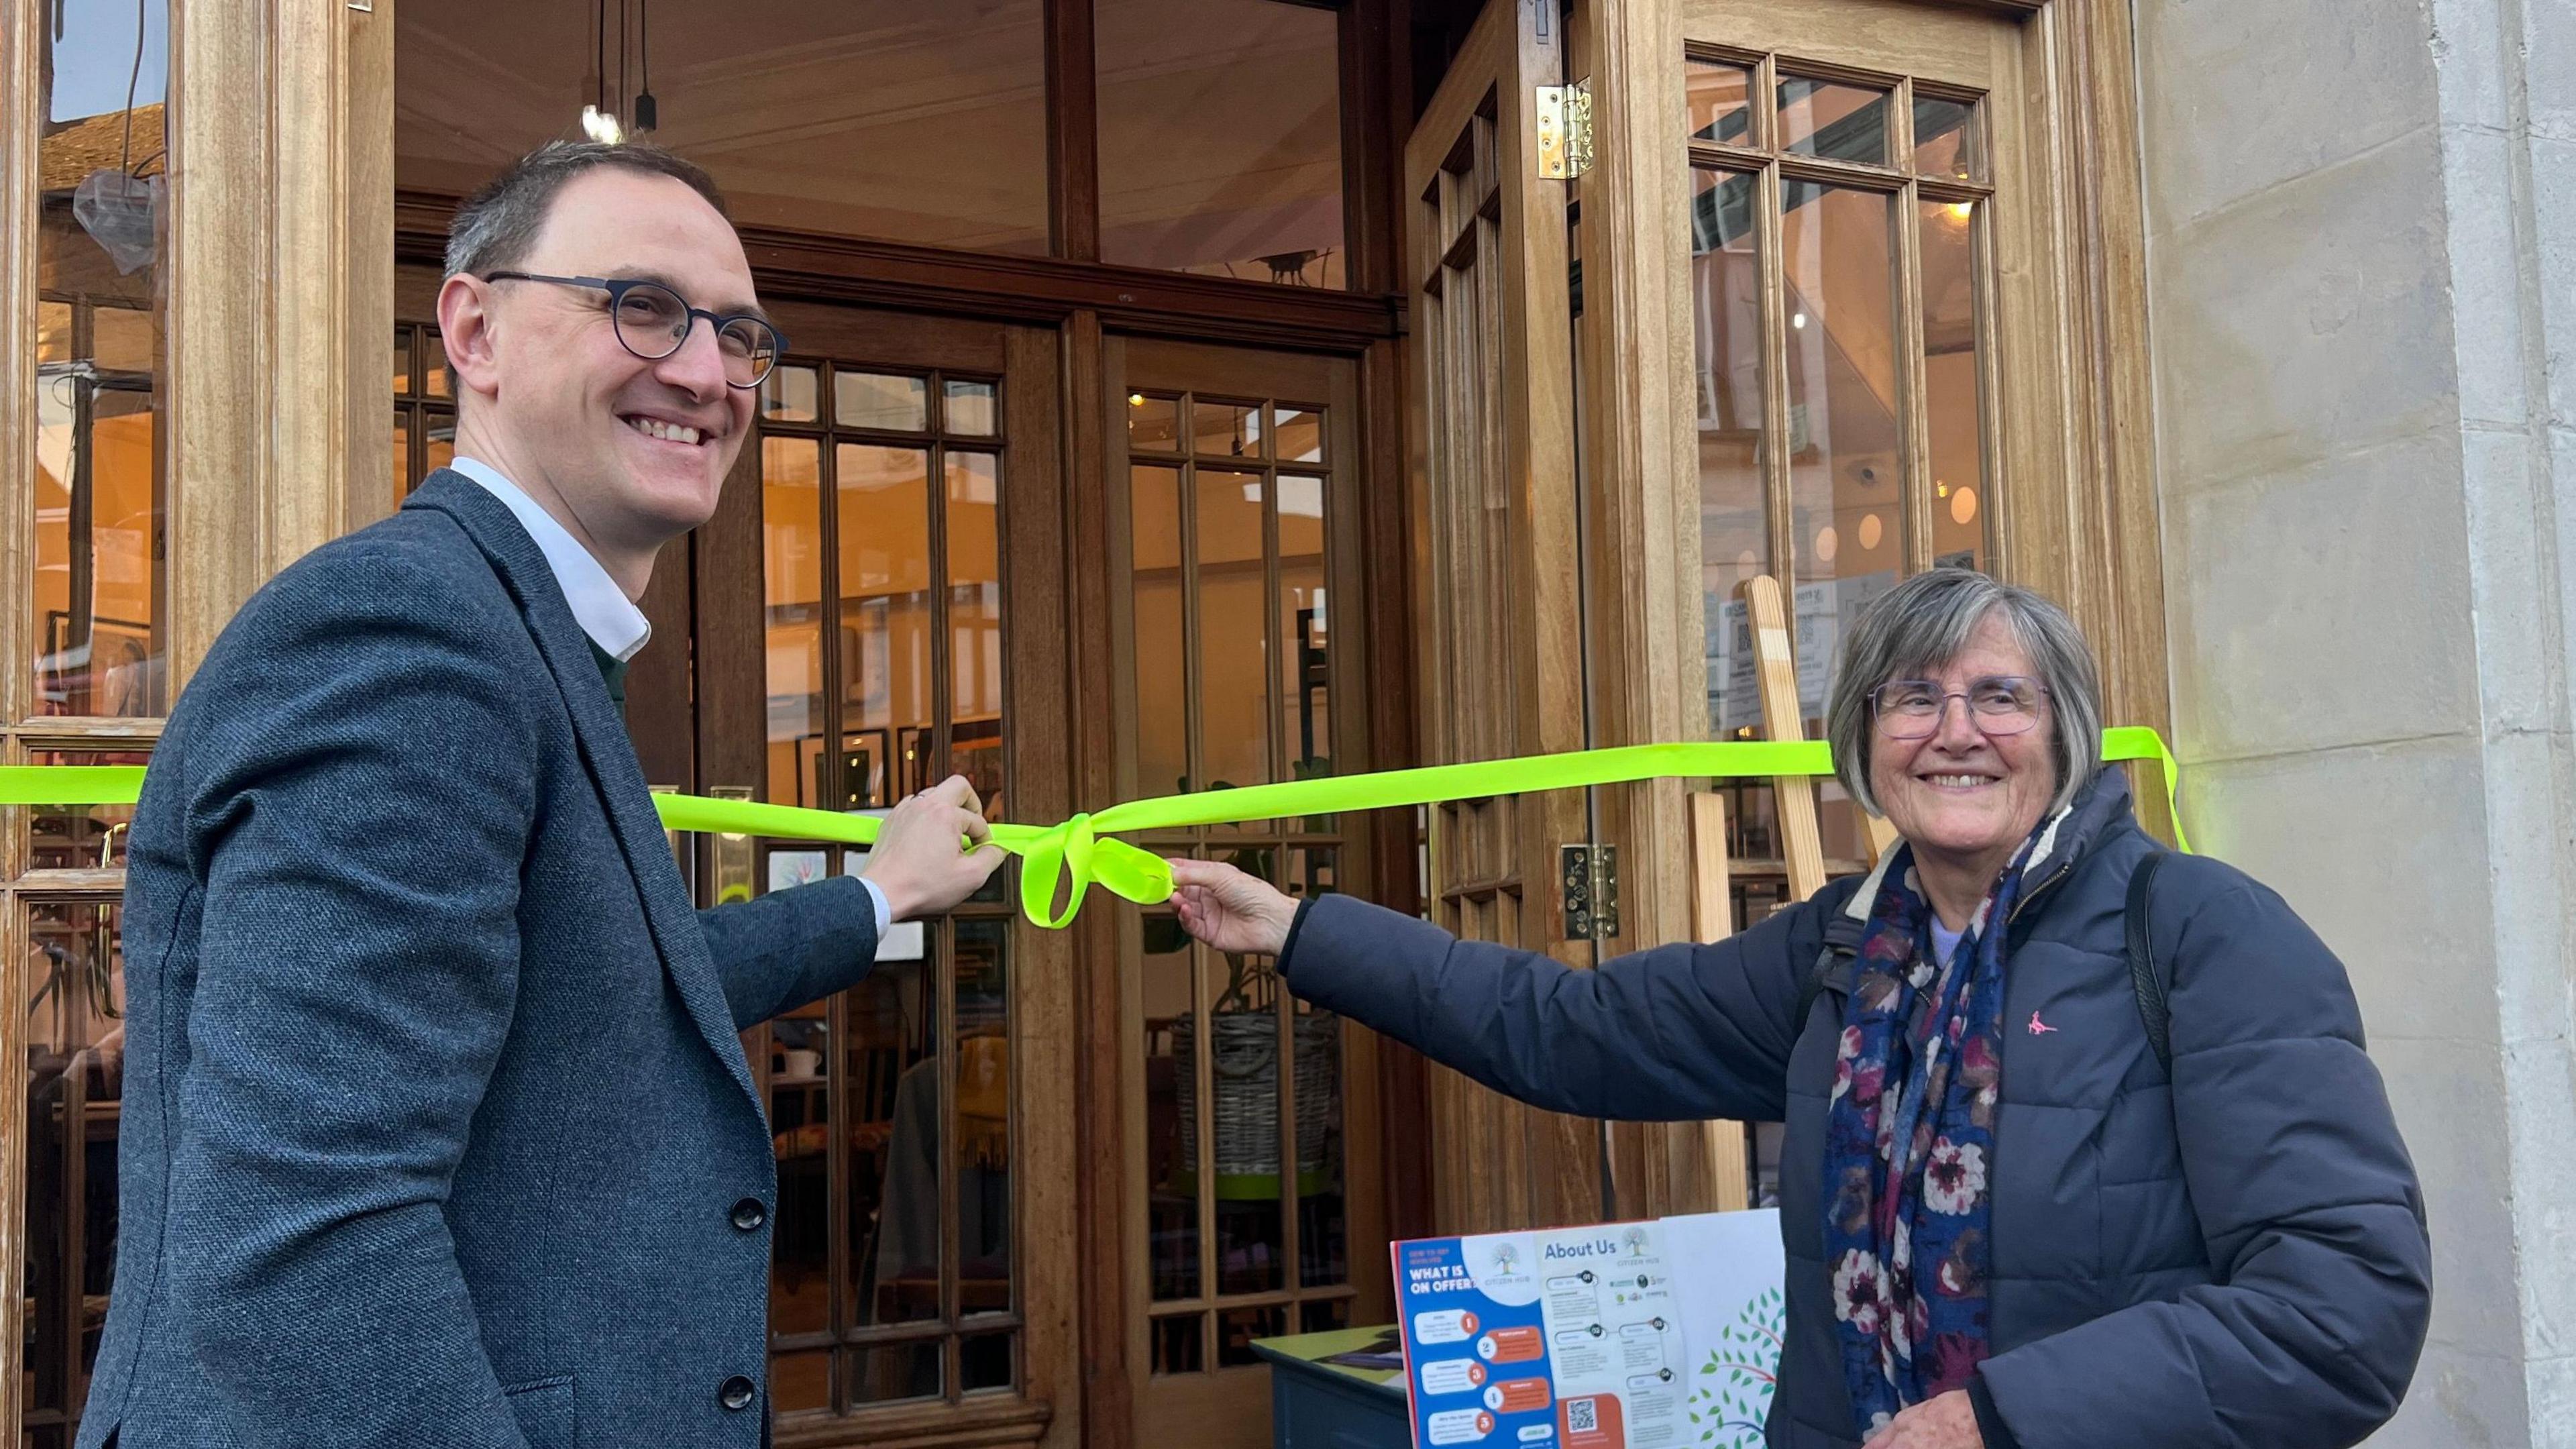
[(1999, 704), (653, 321)]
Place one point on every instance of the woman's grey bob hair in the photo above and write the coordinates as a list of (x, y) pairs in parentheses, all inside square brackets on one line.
[(1921, 625)]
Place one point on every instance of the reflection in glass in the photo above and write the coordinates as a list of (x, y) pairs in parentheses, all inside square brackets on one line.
[(968, 410), (1833, 120), (1297, 435), (895, 1371), (1945, 139), (79, 837), (983, 1116), (1324, 1316), (1236, 1328), (987, 1361), (884, 402), (895, 1152), (1242, 1085), (1720, 97), (1153, 423), (1176, 1343), (1172, 1178), (791, 394), (1735, 541), (1952, 380), (1233, 628), (1846, 505), (1231, 430), (1305, 633), (975, 623), (73, 969), (801, 1380), (433, 363), (791, 516), (1221, 138), (1162, 719), (402, 363), (884, 534), (1322, 1222)]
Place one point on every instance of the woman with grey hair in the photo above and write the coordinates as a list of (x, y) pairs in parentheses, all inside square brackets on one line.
[(2038, 1188)]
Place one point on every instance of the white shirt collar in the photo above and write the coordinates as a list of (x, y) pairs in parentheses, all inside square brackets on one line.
[(601, 608)]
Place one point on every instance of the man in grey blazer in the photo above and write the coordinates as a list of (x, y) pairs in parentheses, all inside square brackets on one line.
[(437, 1130)]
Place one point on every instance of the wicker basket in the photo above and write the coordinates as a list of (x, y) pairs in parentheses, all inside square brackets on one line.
[(1246, 1076)]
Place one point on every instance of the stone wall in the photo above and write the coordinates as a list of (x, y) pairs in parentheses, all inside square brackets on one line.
[(2362, 273)]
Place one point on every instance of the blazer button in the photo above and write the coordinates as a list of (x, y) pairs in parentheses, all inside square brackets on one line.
[(737, 1393), (748, 1215)]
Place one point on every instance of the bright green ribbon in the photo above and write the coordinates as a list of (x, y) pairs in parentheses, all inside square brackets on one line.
[(1081, 850)]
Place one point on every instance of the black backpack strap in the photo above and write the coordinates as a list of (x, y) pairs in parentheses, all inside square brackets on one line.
[(1842, 942), (2149, 986)]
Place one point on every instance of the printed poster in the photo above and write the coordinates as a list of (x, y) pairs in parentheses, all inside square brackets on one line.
[(1581, 1337)]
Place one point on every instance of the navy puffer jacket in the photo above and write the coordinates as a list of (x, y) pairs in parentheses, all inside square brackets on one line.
[(2234, 1257)]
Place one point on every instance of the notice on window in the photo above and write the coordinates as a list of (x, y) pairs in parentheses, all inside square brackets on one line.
[(1581, 1337)]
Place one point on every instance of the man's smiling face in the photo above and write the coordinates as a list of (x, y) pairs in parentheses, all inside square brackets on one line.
[(635, 450)]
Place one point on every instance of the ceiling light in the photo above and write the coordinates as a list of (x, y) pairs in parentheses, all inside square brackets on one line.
[(600, 127), (1135, 399), (1797, 319)]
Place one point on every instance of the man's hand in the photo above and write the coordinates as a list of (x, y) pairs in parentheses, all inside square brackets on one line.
[(1944, 1421), (933, 851), (1230, 910)]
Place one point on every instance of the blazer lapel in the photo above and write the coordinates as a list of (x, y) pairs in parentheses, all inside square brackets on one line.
[(606, 751)]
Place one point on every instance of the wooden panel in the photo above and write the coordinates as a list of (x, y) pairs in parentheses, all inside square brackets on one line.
[(660, 708), (22, 39), (1073, 131), (1888, 37), (1795, 794)]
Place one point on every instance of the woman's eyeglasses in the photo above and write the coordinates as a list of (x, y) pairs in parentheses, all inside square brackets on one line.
[(653, 322), (2001, 704)]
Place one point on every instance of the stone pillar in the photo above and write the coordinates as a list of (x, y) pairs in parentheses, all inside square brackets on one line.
[(2362, 270)]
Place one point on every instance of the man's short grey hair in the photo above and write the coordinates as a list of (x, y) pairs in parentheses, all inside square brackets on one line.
[(1918, 627), (498, 225)]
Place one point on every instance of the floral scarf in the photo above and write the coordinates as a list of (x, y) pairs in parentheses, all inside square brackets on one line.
[(1909, 1146)]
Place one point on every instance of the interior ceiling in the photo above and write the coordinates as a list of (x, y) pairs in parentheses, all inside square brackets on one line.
[(895, 119)]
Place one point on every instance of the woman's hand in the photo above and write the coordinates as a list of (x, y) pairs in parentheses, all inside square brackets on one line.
[(1944, 1421), (1230, 910)]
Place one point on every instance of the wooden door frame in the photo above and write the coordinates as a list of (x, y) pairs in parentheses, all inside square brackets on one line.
[(1641, 460)]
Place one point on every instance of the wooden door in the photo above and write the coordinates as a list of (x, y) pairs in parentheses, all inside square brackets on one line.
[(1501, 602), (1235, 481)]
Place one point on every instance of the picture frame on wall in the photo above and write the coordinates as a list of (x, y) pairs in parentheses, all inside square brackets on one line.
[(864, 772), (974, 751)]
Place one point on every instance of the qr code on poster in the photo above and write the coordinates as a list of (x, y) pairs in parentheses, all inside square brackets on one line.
[(1582, 1416)]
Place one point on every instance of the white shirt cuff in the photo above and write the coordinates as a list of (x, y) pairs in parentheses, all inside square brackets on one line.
[(885, 912)]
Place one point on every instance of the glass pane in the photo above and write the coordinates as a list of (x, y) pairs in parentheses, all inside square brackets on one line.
[(402, 364), (1153, 423), (1236, 1328), (403, 481), (887, 402), (975, 624), (1230, 430), (75, 1079), (1726, 315), (100, 573), (1233, 626), (800, 1263), (1846, 508), (983, 1116), (895, 1371), (1827, 118), (885, 628), (433, 363), (1721, 102), (968, 409), (1305, 673), (440, 444), (1177, 1345), (80, 837), (801, 1380), (1951, 384), (1221, 138), (987, 1361), (1946, 140), (895, 1151), (791, 516), (1297, 434), (1322, 1226), (913, 123), (1325, 1316), (1243, 1093), (1171, 1096), (791, 395), (1162, 719)]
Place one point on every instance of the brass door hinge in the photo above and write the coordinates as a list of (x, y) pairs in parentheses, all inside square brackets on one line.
[(1564, 131), (1590, 875)]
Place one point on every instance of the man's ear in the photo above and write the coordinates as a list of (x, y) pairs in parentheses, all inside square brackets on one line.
[(465, 326)]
